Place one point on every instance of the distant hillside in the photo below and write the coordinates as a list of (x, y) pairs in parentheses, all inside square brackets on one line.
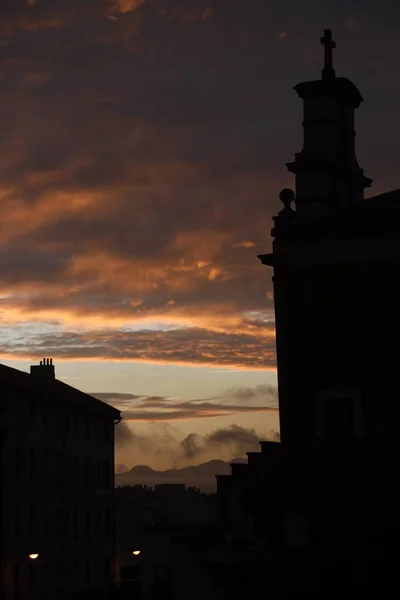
[(201, 476)]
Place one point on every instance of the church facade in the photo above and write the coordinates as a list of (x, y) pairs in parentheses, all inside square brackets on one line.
[(336, 267), (336, 278)]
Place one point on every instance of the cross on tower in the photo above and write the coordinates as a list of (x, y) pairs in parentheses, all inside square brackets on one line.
[(329, 46)]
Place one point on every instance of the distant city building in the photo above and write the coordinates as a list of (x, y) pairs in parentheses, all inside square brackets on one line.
[(147, 520), (57, 459)]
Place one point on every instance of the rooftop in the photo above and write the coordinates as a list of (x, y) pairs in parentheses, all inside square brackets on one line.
[(52, 387)]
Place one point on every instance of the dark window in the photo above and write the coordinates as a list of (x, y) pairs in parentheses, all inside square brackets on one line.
[(75, 574), (338, 418), (45, 523), (98, 515), (106, 474), (17, 522), (67, 528), (31, 577), (87, 471), (75, 523), (67, 424), (87, 424), (98, 474), (18, 462), (16, 582), (58, 522), (88, 523), (87, 572), (107, 522), (32, 520), (32, 466), (77, 474)]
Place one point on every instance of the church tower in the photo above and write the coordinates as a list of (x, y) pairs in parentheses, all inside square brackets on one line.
[(326, 170), (336, 273)]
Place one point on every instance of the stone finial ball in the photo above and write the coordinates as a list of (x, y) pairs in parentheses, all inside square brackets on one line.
[(286, 196)]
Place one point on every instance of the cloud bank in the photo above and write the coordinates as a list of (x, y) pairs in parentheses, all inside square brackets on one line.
[(142, 151), (163, 444), (159, 408)]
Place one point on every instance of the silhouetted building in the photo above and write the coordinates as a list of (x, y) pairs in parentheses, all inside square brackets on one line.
[(336, 262), (57, 485), (336, 273)]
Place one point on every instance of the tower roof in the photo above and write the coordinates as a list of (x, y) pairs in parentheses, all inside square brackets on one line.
[(340, 88)]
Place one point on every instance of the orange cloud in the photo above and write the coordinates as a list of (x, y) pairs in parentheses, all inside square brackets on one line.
[(244, 244), (125, 207), (127, 6)]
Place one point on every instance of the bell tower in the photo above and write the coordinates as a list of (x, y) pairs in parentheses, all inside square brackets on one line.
[(322, 261), (326, 170)]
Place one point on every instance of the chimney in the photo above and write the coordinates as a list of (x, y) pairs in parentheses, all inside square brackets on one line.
[(45, 370)]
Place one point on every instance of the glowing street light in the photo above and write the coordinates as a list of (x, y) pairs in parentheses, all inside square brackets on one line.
[(33, 556), (136, 552)]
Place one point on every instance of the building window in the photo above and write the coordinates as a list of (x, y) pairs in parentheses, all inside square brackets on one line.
[(98, 517), (45, 523), (16, 582), (32, 521), (75, 523), (98, 473), (105, 432), (88, 523), (17, 522), (87, 425), (87, 572), (107, 522), (18, 463), (106, 474), (67, 527), (87, 471), (339, 415), (58, 522), (32, 466), (107, 568)]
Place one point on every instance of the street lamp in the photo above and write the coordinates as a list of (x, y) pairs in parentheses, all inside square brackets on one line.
[(33, 556), (136, 552)]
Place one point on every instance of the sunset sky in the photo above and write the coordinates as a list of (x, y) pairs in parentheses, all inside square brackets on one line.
[(142, 150)]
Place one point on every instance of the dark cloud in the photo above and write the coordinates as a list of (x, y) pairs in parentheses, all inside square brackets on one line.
[(236, 436), (267, 392), (235, 439), (163, 409), (114, 397), (142, 152), (184, 346), (123, 435), (164, 444), (191, 447)]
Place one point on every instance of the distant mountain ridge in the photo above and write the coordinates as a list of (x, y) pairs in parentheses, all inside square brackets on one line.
[(201, 476)]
